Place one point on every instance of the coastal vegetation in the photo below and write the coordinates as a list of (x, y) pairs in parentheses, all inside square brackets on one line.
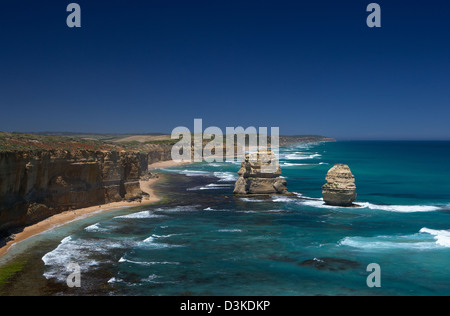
[(8, 271), (111, 142)]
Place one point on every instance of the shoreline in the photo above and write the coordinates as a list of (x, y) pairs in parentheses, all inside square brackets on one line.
[(66, 217)]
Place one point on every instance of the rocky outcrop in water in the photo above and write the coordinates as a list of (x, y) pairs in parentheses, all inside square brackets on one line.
[(340, 189), (260, 174), (37, 184), (330, 264)]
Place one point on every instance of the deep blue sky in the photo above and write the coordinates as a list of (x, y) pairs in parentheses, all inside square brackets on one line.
[(308, 67)]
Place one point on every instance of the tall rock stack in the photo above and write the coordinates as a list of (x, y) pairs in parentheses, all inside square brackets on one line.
[(340, 189), (260, 174)]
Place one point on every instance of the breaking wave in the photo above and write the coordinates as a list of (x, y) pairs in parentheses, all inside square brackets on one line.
[(319, 203), (122, 260), (95, 228), (442, 237), (226, 176), (143, 214), (211, 186), (84, 252), (420, 241), (299, 156)]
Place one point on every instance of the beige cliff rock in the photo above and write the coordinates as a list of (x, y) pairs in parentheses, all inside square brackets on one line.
[(37, 184), (340, 189), (260, 174)]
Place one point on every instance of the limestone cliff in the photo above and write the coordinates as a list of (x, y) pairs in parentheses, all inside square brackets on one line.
[(37, 184), (340, 189), (159, 152)]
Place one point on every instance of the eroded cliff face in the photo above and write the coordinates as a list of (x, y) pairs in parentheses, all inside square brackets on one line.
[(159, 152), (260, 174), (340, 189), (37, 184)]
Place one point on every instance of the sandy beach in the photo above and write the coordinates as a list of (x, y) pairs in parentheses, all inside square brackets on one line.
[(165, 164), (73, 215)]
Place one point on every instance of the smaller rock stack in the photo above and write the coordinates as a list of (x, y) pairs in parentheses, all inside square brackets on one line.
[(260, 174), (340, 189)]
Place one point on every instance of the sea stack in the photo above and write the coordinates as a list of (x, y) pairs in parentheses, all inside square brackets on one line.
[(340, 189), (260, 173)]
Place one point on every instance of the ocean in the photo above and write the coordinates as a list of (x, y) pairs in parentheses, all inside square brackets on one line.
[(202, 240)]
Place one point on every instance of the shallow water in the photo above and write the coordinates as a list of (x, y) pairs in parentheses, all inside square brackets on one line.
[(204, 241)]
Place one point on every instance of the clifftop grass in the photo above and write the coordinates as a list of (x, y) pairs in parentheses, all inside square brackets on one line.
[(29, 142)]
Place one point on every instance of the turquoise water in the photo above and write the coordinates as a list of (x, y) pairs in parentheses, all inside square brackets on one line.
[(207, 242)]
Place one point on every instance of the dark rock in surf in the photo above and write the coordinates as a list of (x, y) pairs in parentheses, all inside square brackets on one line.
[(330, 264)]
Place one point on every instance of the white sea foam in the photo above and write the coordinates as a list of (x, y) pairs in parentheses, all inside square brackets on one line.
[(300, 156), (211, 164), (418, 241), (380, 243), (149, 239), (442, 237), (148, 243), (189, 173), (320, 203), (276, 211), (283, 199), (114, 280), (95, 228), (188, 208), (226, 176), (219, 185), (145, 263), (251, 200), (151, 243), (305, 145), (217, 210), (229, 230), (290, 164), (195, 173), (211, 186), (401, 208), (143, 214), (79, 251), (166, 236), (236, 161), (151, 278)]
